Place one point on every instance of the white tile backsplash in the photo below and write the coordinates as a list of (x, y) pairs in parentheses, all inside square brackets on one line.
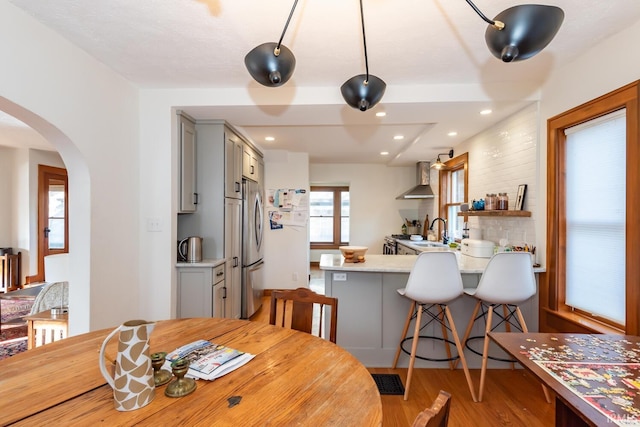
[(500, 159)]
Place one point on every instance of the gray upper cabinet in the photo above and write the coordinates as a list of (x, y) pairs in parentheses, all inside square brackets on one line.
[(250, 167), (188, 196), (233, 165)]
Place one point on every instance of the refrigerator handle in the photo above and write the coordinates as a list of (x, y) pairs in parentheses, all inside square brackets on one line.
[(258, 220), (257, 266)]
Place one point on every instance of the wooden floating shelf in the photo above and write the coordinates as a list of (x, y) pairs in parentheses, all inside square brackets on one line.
[(496, 213)]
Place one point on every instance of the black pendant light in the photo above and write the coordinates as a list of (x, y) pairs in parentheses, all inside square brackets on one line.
[(363, 91), (520, 32), (272, 64)]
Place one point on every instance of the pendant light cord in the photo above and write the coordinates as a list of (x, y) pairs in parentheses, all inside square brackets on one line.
[(364, 40), (480, 14), (287, 24)]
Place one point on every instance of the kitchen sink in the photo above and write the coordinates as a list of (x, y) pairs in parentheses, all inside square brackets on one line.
[(429, 244)]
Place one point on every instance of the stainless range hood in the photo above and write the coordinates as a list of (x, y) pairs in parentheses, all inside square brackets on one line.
[(422, 189)]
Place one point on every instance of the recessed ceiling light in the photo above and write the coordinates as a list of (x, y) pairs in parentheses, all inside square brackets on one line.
[(398, 137), (384, 153), (453, 133), (381, 114), (485, 112), (269, 138)]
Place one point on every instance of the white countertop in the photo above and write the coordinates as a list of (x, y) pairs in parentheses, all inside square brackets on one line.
[(400, 263), (210, 263)]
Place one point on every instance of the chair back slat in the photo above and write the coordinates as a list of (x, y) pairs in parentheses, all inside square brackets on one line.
[(299, 314)]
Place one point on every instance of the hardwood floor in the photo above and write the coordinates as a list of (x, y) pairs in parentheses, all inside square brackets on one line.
[(511, 398)]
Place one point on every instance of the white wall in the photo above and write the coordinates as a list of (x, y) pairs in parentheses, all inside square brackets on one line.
[(6, 196), (374, 210), (90, 116), (120, 148), (501, 158), (286, 250), (606, 67)]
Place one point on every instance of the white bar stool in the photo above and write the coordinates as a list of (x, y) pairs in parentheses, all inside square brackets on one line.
[(507, 281), (434, 282)]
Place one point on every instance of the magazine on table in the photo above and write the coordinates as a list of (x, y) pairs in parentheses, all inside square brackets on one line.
[(208, 360)]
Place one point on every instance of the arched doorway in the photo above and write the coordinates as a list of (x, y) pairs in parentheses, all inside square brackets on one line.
[(79, 231)]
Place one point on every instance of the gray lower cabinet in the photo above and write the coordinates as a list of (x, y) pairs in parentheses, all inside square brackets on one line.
[(201, 292), (371, 316)]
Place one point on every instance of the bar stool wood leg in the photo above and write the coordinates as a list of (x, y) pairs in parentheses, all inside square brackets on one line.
[(404, 333), (469, 326), (507, 327), (414, 348), (445, 335), (456, 339), (485, 351)]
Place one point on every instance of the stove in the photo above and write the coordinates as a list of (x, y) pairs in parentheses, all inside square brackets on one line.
[(400, 236), (390, 246)]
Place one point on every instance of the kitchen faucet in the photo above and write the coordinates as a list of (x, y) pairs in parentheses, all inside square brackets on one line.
[(445, 237)]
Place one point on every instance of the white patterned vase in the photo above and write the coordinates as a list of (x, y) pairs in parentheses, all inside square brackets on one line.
[(132, 382)]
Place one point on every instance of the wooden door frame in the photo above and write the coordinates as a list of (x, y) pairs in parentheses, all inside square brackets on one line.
[(45, 173)]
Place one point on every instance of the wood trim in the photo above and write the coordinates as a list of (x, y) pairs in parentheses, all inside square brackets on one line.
[(553, 307), (633, 206), (337, 216), (564, 321), (444, 184), (45, 173)]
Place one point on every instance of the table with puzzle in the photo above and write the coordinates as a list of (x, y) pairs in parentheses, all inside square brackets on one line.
[(596, 377)]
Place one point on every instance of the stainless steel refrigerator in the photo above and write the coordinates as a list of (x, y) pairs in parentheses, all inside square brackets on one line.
[(252, 247)]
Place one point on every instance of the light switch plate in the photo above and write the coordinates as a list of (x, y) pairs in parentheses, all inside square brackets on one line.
[(154, 224)]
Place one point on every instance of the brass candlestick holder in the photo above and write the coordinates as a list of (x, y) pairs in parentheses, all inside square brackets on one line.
[(160, 376), (181, 386)]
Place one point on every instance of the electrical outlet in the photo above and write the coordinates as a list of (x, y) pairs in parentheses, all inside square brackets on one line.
[(294, 276), (340, 277)]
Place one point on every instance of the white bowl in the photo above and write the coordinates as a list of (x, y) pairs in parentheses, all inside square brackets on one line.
[(416, 237), (353, 253)]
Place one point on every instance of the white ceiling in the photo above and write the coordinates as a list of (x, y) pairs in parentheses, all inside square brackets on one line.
[(431, 53)]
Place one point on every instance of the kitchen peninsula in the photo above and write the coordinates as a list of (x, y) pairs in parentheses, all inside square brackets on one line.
[(371, 313)]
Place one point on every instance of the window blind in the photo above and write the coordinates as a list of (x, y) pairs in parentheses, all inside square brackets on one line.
[(595, 216)]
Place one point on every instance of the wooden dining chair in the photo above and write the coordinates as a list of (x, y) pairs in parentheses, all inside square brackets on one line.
[(295, 309), (437, 415)]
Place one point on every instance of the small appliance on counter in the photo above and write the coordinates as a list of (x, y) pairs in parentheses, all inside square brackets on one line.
[(477, 248), (190, 249)]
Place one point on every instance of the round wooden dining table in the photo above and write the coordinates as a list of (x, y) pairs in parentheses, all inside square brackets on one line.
[(294, 379)]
